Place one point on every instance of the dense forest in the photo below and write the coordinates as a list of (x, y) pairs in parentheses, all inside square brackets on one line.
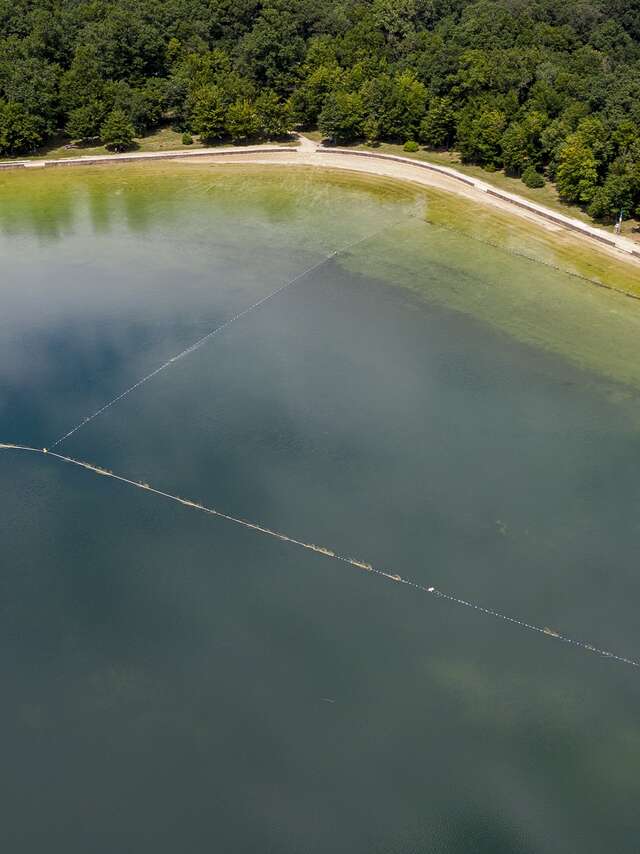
[(542, 88)]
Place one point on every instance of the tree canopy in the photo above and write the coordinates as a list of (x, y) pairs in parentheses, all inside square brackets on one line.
[(543, 88)]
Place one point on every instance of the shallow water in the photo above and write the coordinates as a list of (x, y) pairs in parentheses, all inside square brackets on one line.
[(454, 413)]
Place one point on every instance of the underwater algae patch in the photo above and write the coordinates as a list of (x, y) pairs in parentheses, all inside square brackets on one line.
[(524, 281), (551, 245), (148, 196)]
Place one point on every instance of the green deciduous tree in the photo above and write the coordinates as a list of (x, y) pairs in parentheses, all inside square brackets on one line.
[(616, 194), (480, 138), (342, 117), (242, 121), (207, 113), (273, 114), (515, 149), (128, 43), (437, 128), (371, 131), (552, 140), (594, 134), (20, 132), (625, 136), (85, 122), (83, 81), (308, 98), (117, 131), (522, 143), (532, 178), (273, 49), (577, 172), (397, 104), (396, 18)]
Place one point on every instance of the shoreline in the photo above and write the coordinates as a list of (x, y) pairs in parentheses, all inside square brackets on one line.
[(415, 172), (623, 244)]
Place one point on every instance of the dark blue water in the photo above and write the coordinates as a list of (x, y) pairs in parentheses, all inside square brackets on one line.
[(174, 683)]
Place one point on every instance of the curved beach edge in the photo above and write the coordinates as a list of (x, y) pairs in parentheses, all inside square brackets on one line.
[(417, 172)]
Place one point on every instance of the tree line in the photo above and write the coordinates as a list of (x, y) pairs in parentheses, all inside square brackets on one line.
[(540, 88)]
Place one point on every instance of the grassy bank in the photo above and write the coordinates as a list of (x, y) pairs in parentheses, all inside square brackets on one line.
[(162, 139)]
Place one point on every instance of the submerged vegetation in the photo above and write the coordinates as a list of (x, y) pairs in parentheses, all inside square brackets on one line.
[(540, 89)]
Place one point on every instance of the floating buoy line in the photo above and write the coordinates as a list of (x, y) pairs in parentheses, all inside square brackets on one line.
[(216, 331), (191, 349), (362, 565)]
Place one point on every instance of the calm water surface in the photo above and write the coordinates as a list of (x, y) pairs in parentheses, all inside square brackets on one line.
[(459, 415)]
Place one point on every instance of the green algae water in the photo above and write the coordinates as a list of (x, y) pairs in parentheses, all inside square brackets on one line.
[(424, 400)]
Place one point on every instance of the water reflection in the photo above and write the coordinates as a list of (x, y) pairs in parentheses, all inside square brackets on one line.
[(44, 213), (164, 673)]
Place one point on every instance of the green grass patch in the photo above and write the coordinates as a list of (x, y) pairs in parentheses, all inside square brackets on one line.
[(162, 139)]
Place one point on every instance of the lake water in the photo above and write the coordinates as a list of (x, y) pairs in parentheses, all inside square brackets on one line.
[(443, 408)]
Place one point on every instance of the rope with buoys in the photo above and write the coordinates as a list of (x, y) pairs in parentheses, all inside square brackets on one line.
[(216, 331), (330, 553)]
